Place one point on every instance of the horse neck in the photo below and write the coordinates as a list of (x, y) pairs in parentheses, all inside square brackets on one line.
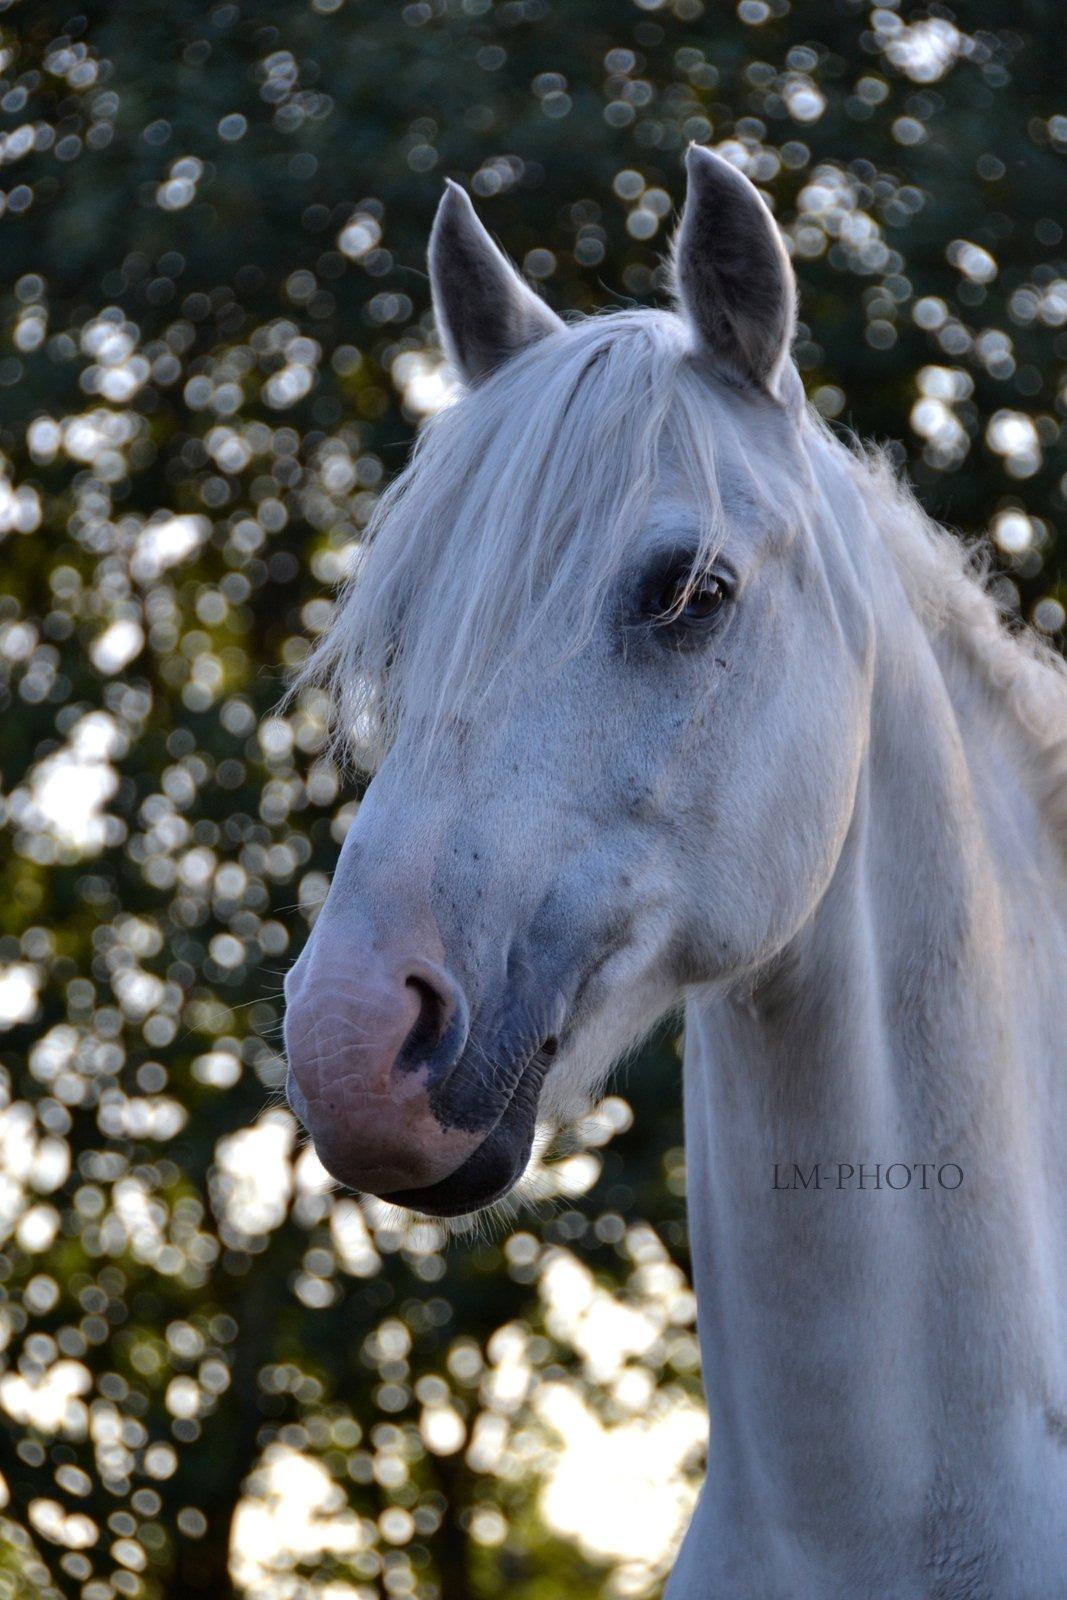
[(914, 1020)]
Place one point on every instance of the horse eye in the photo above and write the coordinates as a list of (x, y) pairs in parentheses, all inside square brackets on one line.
[(682, 602)]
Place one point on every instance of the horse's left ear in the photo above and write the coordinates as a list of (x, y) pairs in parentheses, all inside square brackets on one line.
[(485, 312), (734, 279)]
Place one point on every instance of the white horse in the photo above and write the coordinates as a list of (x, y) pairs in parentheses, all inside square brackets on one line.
[(676, 699)]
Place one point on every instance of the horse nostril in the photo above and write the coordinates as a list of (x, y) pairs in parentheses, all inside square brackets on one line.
[(429, 1025), (438, 1033)]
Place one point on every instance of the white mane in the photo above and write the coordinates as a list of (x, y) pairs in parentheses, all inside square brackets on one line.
[(524, 499), (945, 579)]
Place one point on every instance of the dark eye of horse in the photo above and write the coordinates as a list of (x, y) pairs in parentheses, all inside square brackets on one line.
[(680, 601)]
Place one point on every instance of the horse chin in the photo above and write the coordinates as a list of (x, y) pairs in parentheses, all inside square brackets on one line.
[(493, 1169)]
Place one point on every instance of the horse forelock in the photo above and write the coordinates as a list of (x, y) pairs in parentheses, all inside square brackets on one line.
[(520, 505)]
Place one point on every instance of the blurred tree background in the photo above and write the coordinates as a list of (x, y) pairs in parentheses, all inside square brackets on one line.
[(218, 1375)]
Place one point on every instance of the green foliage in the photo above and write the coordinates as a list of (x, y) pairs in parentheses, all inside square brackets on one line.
[(214, 345)]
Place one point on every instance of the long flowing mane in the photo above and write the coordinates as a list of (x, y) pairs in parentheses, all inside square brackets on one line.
[(946, 579), (524, 499)]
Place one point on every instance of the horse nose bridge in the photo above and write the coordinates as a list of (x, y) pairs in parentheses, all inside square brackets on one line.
[(460, 878)]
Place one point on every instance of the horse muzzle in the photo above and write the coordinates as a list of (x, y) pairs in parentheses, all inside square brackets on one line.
[(397, 1097)]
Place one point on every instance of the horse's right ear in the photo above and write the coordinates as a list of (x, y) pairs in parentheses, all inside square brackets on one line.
[(485, 312), (734, 279)]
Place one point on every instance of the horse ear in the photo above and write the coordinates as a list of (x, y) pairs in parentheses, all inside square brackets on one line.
[(485, 312), (734, 278)]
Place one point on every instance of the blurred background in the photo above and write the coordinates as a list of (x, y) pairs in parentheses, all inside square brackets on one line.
[(218, 1375)]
